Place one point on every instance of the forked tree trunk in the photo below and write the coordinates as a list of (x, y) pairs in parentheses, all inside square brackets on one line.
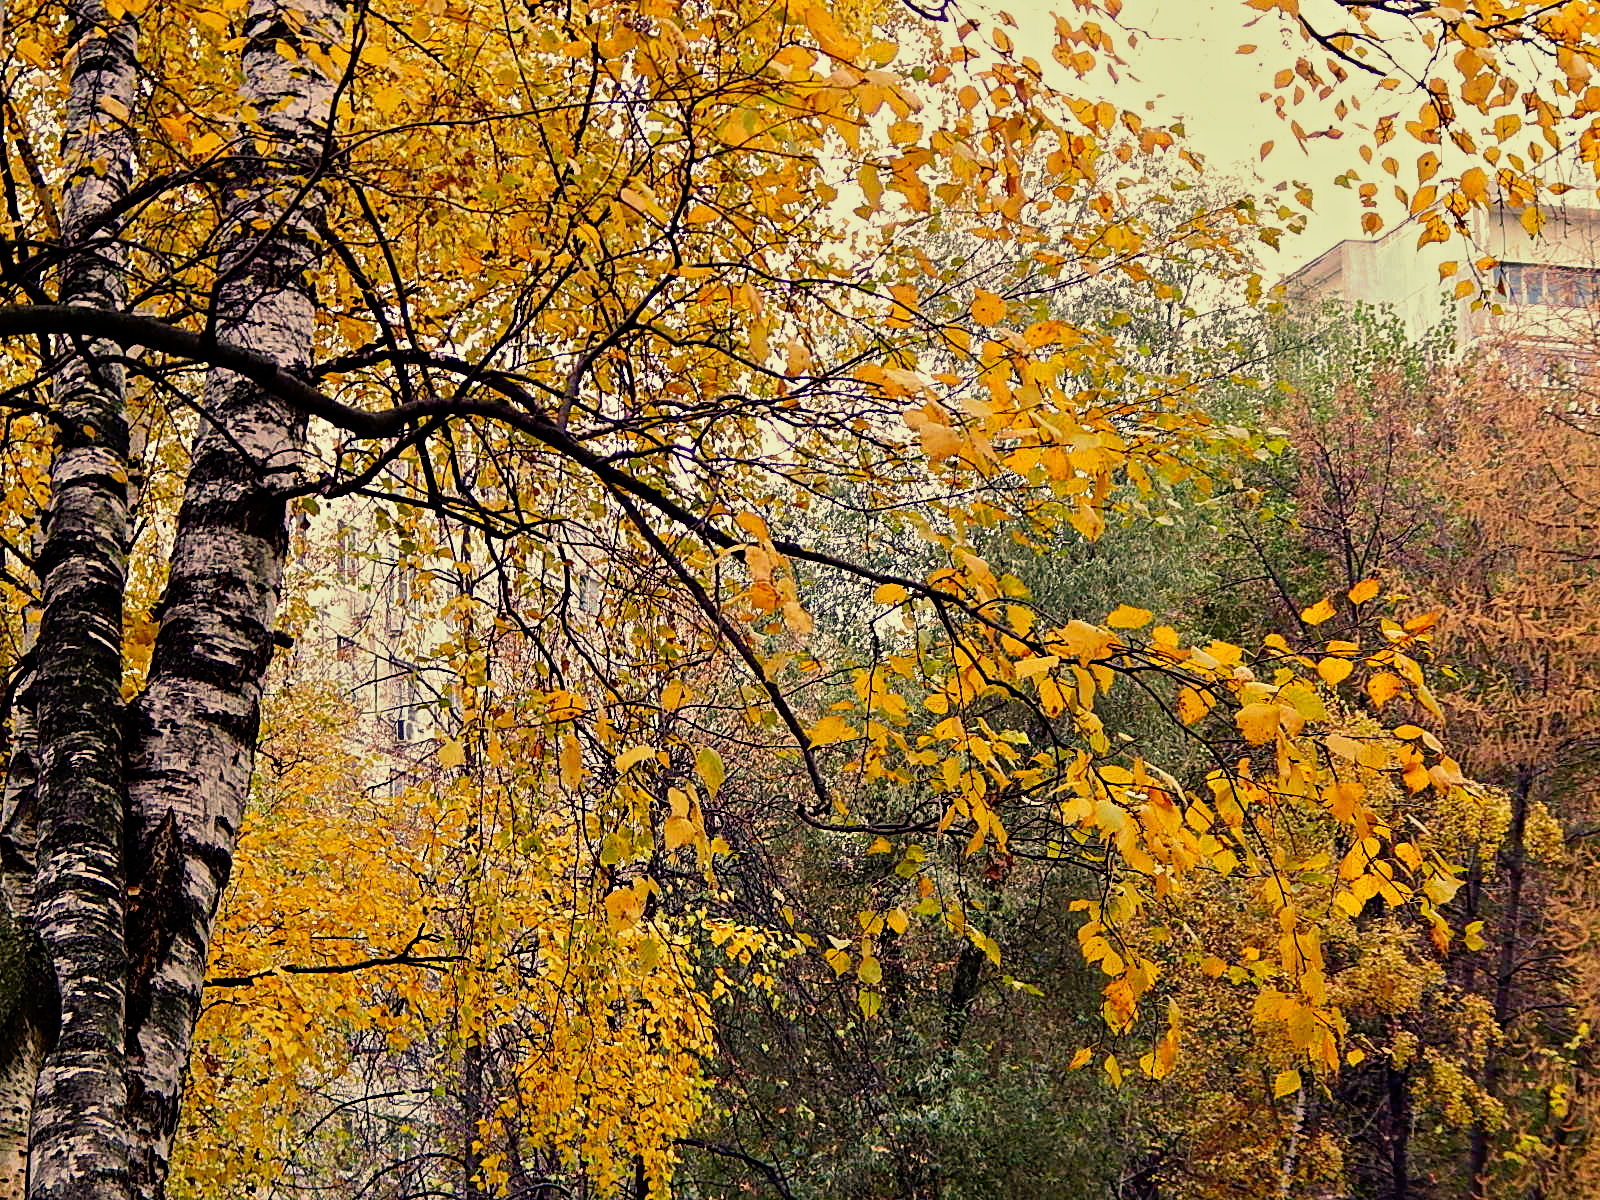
[(193, 730), (125, 930)]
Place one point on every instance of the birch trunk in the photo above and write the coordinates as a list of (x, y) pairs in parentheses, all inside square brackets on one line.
[(78, 1142), (22, 1044), (194, 728)]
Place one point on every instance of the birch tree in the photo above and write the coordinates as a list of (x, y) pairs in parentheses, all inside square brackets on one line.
[(595, 288), (127, 824)]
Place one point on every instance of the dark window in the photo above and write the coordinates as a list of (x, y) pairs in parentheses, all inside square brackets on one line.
[(1539, 283)]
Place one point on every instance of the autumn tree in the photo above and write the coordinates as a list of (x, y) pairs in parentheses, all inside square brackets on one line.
[(1467, 484), (568, 291)]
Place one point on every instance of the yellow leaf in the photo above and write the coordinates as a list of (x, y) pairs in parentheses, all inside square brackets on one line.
[(452, 753), (1334, 671), (673, 696), (643, 203), (987, 308), (1080, 1058), (1027, 668), (1363, 591), (869, 1003), (940, 442), (1319, 612), (1212, 966), (571, 763), (1349, 903), (1084, 642), (869, 971), (796, 618), (1125, 616), (1442, 888), (1473, 936), (832, 728), (1258, 722), (833, 40), (754, 525), (1304, 701), (678, 831), (1193, 704), (1384, 688), (880, 846), (1285, 1083), (889, 593), (1343, 796), (871, 184), (625, 906), (708, 764), (1474, 184), (629, 759)]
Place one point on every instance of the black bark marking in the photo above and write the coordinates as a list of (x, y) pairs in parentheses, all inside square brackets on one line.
[(155, 899)]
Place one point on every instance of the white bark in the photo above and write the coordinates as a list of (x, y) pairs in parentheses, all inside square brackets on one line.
[(78, 1140), (1291, 1152), (194, 728), (23, 1044), (18, 812), (27, 1004)]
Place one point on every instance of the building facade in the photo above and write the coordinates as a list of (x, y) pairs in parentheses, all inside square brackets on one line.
[(1538, 299)]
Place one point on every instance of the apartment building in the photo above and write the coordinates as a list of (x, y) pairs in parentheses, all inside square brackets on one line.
[(1543, 302)]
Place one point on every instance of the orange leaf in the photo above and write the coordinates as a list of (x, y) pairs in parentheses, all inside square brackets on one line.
[(1319, 612), (987, 308), (1363, 591), (1384, 688)]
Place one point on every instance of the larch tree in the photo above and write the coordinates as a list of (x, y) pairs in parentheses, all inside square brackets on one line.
[(598, 283), (1471, 484)]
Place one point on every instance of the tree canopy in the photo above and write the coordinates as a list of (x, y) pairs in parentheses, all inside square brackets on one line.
[(702, 387)]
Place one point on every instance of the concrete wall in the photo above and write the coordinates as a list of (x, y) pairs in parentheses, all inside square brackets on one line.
[(1392, 270)]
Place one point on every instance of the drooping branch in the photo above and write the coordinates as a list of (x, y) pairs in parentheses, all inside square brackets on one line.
[(404, 957)]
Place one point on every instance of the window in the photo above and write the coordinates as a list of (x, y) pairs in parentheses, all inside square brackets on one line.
[(1540, 283)]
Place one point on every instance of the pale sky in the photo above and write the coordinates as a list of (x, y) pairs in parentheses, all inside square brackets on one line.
[(1190, 67)]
